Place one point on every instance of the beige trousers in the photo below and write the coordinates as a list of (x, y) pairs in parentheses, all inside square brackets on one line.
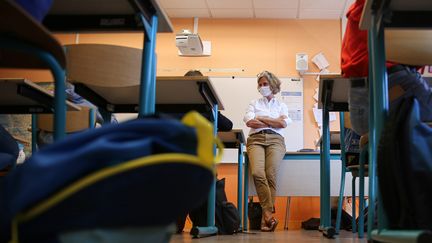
[(265, 152)]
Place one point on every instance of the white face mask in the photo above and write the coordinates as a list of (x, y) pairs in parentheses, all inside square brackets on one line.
[(265, 91)]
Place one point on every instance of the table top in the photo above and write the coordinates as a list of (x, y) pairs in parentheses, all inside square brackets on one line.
[(176, 94), (104, 15), (21, 96), (233, 138)]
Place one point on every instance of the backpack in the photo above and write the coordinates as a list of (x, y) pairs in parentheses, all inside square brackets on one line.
[(227, 218), (404, 164), (254, 215)]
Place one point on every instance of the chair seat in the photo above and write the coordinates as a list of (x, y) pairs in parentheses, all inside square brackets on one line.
[(355, 169)]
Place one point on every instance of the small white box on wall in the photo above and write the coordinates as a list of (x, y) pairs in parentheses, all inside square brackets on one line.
[(302, 62)]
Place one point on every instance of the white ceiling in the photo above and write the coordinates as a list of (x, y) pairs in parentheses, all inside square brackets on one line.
[(265, 9)]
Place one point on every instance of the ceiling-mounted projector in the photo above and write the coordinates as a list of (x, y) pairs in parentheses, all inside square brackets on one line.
[(190, 44)]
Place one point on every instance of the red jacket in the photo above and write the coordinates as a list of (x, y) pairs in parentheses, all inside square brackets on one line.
[(354, 54)]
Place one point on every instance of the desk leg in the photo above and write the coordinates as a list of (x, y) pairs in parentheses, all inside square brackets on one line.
[(239, 183), (147, 72), (34, 132), (325, 223), (378, 109), (106, 116), (287, 212), (246, 193), (211, 229)]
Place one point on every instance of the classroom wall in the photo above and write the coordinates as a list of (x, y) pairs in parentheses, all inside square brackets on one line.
[(239, 48)]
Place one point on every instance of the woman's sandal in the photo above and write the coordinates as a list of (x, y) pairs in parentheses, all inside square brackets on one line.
[(272, 224), (264, 227)]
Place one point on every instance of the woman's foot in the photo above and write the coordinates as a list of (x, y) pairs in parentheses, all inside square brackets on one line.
[(272, 224), (269, 225)]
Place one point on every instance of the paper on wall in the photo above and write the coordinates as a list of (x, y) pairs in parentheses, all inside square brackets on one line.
[(320, 61), (315, 96), (318, 116), (294, 102)]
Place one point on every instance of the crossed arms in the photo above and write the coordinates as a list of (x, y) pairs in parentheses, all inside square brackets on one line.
[(265, 121)]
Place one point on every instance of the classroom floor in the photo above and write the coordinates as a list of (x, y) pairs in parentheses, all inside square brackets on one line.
[(297, 236)]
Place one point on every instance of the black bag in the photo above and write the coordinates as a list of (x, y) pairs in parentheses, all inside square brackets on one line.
[(311, 224), (405, 168), (227, 216), (254, 215)]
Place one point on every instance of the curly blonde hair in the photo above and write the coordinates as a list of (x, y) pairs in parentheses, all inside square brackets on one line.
[(274, 81)]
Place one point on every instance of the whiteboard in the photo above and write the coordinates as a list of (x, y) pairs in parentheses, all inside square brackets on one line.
[(237, 92)]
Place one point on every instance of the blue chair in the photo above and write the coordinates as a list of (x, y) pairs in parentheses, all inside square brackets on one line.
[(128, 181), (357, 171)]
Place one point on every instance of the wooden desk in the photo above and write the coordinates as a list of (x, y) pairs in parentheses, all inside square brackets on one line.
[(115, 16), (410, 23), (236, 139), (176, 94), (21, 96), (333, 96)]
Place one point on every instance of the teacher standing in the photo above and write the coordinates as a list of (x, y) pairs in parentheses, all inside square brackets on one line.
[(267, 117)]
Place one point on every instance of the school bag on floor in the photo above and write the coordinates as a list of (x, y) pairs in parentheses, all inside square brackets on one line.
[(141, 173)]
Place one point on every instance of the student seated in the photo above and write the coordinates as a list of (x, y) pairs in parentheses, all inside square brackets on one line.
[(355, 63)]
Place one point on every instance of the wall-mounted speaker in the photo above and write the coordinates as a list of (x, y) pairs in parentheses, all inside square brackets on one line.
[(301, 62)]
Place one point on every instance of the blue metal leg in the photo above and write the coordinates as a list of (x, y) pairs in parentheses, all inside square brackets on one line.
[(361, 193), (246, 193), (212, 197), (152, 97), (92, 117), (239, 183), (325, 222), (211, 229), (341, 194), (353, 199), (106, 116), (380, 102), (59, 103), (147, 71), (343, 171), (34, 132), (372, 164)]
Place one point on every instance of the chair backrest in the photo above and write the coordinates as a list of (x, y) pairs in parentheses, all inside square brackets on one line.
[(75, 120), (347, 120)]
